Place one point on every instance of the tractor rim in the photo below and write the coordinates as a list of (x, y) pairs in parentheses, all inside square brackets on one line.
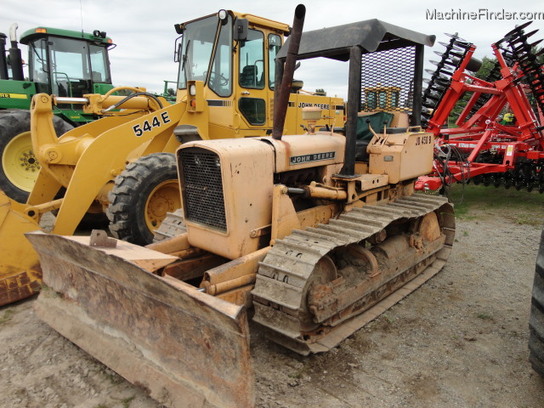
[(19, 163), (164, 198)]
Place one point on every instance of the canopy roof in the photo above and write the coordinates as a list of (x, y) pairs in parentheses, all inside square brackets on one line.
[(370, 35)]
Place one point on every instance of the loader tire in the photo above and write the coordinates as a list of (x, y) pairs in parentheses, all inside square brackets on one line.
[(19, 167), (143, 193), (536, 321)]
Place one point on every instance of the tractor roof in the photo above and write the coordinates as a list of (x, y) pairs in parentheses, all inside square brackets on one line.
[(371, 35), (97, 36)]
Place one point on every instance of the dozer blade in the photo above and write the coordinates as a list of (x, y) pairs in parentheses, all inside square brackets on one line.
[(186, 348), (20, 274)]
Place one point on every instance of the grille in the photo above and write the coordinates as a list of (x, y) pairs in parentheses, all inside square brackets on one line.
[(202, 188), (387, 80)]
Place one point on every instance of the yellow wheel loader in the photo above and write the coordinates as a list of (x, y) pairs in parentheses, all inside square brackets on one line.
[(292, 229), (124, 164)]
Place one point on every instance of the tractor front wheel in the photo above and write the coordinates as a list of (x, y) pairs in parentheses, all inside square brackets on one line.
[(19, 167), (143, 193)]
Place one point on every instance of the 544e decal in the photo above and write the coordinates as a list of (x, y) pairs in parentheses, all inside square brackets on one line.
[(148, 125)]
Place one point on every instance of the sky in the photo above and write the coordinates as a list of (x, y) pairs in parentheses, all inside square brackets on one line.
[(144, 30)]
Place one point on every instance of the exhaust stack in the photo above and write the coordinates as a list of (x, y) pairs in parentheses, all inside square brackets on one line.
[(284, 88), (15, 59), (3, 61)]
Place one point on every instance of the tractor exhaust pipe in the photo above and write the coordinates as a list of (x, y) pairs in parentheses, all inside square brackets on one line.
[(15, 59), (284, 88), (3, 60)]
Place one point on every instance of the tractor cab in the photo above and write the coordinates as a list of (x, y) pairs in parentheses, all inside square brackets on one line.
[(68, 63)]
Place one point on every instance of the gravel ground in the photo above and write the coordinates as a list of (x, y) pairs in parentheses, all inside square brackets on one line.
[(458, 341)]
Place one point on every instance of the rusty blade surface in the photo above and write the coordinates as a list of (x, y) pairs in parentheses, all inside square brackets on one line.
[(186, 348)]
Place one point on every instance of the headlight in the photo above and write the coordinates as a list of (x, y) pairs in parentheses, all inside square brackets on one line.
[(222, 15)]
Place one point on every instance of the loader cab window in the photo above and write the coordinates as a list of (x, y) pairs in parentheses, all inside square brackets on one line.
[(221, 69), (387, 98), (371, 102), (274, 45), (395, 99), (251, 73), (382, 99), (196, 48), (376, 99)]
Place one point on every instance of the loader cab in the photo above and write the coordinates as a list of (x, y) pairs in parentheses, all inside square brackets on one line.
[(68, 63), (204, 54), (232, 56)]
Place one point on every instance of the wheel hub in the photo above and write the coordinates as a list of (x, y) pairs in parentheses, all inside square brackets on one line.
[(164, 198), (19, 163)]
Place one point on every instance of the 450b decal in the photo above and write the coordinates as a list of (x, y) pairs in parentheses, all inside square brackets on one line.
[(148, 125)]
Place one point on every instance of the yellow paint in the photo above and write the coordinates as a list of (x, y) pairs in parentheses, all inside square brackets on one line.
[(13, 96)]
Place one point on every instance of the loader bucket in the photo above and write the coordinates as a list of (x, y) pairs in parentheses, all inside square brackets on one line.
[(186, 348), (20, 273)]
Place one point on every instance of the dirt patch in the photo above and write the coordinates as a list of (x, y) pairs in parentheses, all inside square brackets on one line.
[(458, 341)]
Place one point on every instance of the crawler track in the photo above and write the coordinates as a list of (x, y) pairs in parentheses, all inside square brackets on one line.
[(318, 286), (171, 226)]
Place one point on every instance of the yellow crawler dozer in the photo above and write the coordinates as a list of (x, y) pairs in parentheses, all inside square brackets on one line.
[(124, 164), (294, 227)]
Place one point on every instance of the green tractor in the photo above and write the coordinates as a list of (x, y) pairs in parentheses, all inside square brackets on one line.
[(61, 62)]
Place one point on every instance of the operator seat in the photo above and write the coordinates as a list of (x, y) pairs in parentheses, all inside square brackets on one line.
[(248, 77)]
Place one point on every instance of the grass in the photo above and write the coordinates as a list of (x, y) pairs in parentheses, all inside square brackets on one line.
[(388, 318), (296, 375), (8, 314), (126, 402), (484, 316), (521, 206), (112, 376)]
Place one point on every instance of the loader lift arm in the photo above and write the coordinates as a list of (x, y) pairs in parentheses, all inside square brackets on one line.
[(88, 173)]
